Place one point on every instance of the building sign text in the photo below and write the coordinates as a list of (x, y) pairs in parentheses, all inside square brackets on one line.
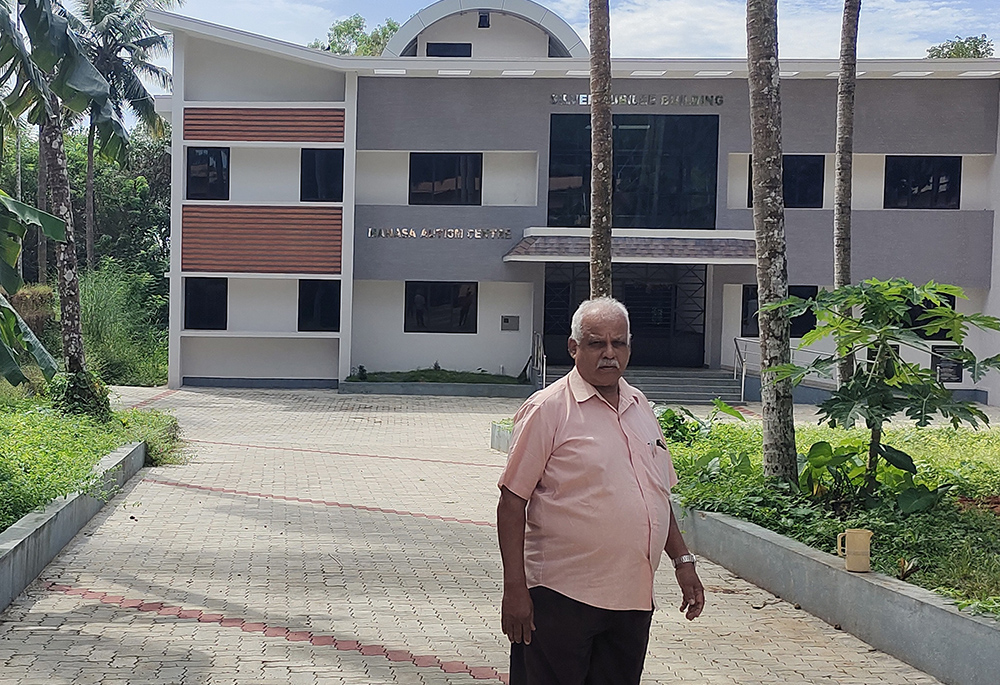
[(641, 100), (405, 232)]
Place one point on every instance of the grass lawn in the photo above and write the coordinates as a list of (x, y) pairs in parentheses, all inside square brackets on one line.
[(955, 546), (45, 454), (434, 376)]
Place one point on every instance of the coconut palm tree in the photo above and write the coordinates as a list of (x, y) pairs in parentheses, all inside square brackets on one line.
[(846, 83), (780, 460), (600, 149), (121, 43)]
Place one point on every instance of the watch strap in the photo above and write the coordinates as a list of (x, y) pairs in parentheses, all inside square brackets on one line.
[(684, 559)]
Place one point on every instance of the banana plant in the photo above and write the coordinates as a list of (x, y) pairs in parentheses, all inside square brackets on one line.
[(15, 336)]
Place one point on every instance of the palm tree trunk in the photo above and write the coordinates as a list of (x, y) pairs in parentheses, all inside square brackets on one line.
[(53, 149), (845, 161), (90, 197), (42, 202), (769, 230), (600, 149)]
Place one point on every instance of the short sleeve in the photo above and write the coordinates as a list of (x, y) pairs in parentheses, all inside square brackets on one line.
[(530, 447)]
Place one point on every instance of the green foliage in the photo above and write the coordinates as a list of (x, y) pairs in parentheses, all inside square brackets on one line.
[(81, 393), (437, 375), (160, 432), (351, 37), (880, 325), (683, 426), (123, 342), (971, 47), (45, 454), (945, 547)]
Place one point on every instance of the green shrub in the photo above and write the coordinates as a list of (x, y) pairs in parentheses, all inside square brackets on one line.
[(123, 343), (160, 432)]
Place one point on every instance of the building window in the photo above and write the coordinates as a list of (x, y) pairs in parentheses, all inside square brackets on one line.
[(665, 170), (319, 305), (802, 181), (922, 182), (446, 178), (449, 49), (801, 324), (208, 173), (322, 176), (440, 307), (206, 303)]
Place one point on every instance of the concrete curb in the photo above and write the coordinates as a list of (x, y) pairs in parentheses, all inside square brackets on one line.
[(910, 623), (500, 437), (446, 389), (29, 545)]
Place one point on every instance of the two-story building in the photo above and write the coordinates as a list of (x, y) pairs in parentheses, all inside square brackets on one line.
[(432, 204)]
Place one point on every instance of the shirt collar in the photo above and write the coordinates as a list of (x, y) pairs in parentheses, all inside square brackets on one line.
[(583, 391)]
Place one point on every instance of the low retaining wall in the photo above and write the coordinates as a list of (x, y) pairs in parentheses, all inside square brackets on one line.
[(29, 545), (500, 437), (911, 623), (447, 389)]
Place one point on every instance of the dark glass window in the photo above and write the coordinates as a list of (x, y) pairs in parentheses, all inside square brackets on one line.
[(319, 305), (665, 170), (208, 173), (922, 182), (801, 324), (440, 307), (206, 303), (449, 49), (322, 176), (917, 310), (802, 180), (446, 178)]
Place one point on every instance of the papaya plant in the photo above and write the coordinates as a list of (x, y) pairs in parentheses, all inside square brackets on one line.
[(873, 323)]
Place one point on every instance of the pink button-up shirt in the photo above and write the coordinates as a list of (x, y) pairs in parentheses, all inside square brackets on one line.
[(598, 491)]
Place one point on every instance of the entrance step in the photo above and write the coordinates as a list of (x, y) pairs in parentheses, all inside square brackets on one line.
[(674, 385)]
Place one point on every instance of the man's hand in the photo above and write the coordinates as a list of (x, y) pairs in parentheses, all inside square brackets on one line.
[(517, 614), (692, 591)]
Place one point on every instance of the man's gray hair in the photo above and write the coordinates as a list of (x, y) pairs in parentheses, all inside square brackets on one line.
[(598, 305)]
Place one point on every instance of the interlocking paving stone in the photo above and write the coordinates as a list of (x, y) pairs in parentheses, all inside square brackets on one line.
[(319, 538)]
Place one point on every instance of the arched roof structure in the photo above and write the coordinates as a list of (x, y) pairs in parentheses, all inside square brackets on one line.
[(564, 39)]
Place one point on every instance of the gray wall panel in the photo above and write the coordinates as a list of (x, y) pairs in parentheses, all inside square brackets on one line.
[(396, 259), (920, 245)]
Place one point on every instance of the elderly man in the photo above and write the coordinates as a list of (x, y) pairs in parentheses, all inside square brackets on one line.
[(583, 516)]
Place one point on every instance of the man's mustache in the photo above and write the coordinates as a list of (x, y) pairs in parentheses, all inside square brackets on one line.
[(608, 364)]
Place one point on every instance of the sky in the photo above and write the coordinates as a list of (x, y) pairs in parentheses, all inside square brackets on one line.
[(660, 28)]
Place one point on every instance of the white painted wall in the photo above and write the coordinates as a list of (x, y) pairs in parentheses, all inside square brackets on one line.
[(988, 344), (381, 345), (976, 179), (739, 179), (281, 358), (264, 175), (382, 177), (263, 304), (507, 36), (510, 179), (223, 73), (868, 185)]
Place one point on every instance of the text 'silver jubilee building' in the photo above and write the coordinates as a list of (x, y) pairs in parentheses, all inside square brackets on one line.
[(432, 204)]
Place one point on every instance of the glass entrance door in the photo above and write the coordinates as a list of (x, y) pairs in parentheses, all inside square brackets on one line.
[(666, 304)]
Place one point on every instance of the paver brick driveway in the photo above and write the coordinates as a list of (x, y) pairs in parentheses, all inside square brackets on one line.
[(320, 538)]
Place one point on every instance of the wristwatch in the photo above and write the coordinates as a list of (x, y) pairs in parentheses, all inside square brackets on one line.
[(684, 559)]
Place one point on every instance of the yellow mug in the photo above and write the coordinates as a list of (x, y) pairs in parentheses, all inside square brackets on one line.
[(854, 545)]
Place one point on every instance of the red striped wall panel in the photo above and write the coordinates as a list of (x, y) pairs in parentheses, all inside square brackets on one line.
[(244, 239), (264, 124)]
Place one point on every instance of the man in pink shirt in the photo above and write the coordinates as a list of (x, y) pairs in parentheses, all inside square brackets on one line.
[(584, 514)]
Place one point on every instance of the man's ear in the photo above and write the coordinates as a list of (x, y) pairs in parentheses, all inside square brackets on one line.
[(572, 345)]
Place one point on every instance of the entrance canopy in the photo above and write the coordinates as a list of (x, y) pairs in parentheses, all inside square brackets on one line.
[(637, 246)]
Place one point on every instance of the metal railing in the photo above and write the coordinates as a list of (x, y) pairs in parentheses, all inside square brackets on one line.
[(538, 360), (748, 359)]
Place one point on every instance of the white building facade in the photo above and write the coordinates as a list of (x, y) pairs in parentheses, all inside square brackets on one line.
[(431, 205)]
